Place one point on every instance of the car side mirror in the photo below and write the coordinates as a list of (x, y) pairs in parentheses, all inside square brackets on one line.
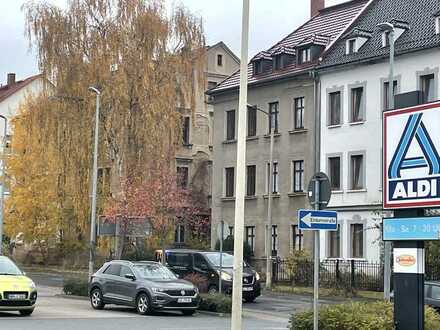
[(130, 277), (204, 267)]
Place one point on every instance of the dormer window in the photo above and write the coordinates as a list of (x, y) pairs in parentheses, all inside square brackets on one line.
[(305, 55), (278, 62), (351, 46), (355, 39), (399, 28), (258, 67)]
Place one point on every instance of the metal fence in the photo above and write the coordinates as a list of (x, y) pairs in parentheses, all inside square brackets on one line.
[(348, 275)]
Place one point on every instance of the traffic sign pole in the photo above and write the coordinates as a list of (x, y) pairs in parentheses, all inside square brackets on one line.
[(222, 228), (316, 263)]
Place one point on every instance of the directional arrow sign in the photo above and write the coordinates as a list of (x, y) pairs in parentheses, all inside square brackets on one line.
[(317, 220)]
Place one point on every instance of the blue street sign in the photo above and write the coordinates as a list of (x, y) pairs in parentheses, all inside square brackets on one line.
[(317, 220), (401, 229)]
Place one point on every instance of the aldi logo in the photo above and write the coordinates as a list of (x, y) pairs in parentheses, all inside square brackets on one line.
[(411, 157)]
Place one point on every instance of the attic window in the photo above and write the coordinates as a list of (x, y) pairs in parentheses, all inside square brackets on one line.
[(278, 62), (351, 46), (220, 60), (258, 67), (305, 55), (437, 25)]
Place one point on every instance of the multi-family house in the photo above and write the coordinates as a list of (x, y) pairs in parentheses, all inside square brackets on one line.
[(194, 156), (354, 93), (282, 84)]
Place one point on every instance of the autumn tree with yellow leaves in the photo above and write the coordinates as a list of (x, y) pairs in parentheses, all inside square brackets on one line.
[(147, 64)]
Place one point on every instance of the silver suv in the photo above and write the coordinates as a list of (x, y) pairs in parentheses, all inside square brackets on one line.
[(148, 286)]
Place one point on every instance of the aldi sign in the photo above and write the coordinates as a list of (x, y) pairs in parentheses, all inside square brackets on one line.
[(411, 157)]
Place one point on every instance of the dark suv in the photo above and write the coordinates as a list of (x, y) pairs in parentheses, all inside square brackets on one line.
[(148, 286), (184, 262)]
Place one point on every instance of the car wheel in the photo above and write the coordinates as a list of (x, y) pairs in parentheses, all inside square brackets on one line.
[(143, 304), (250, 299), (26, 312), (188, 312), (212, 289), (96, 299)]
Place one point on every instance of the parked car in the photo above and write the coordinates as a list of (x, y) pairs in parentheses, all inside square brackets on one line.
[(17, 291), (147, 286), (207, 263), (432, 294)]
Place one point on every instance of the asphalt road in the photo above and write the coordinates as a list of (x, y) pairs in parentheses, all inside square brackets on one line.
[(270, 311), (54, 312)]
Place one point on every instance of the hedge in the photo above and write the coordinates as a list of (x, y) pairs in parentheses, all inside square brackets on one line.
[(357, 316), (219, 303), (76, 287)]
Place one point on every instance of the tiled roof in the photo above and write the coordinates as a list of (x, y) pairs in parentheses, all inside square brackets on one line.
[(418, 15), (323, 28), (6, 91)]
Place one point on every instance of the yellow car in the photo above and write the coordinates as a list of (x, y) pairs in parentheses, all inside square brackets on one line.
[(17, 291)]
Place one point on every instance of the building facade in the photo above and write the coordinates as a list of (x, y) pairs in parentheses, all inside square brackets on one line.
[(354, 93), (194, 157), (282, 84)]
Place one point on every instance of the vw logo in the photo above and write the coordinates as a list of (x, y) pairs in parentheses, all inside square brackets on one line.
[(182, 292)]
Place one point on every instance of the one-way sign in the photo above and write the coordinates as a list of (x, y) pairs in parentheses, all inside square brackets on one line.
[(317, 220)]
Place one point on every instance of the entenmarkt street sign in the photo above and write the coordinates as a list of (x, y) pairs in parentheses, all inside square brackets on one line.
[(317, 220)]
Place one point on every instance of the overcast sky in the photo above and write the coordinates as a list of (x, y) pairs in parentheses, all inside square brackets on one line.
[(271, 20)]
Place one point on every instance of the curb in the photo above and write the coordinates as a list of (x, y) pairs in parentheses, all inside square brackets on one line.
[(213, 313), (69, 296)]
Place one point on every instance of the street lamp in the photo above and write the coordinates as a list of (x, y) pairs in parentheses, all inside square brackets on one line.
[(2, 173), (94, 184), (269, 202), (388, 27)]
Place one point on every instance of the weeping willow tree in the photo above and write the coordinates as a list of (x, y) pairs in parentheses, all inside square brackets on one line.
[(146, 63)]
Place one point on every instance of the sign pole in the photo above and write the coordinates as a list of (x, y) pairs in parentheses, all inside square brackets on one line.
[(222, 225), (316, 262)]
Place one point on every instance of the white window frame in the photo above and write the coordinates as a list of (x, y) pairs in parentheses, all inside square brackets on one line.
[(355, 49), (302, 175), (437, 25), (277, 182)]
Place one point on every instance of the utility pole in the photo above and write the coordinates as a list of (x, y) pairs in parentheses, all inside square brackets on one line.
[(94, 184), (388, 27), (237, 294), (3, 174)]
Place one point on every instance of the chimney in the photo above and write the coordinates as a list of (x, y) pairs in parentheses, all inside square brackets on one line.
[(11, 79), (316, 6)]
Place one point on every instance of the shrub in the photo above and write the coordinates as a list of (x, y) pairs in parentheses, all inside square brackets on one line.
[(357, 316), (76, 287), (219, 303), (200, 281)]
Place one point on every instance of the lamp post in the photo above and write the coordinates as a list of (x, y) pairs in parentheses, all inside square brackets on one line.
[(2, 191), (388, 27), (94, 184), (269, 202)]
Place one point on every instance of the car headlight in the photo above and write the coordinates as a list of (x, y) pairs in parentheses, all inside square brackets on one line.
[(32, 285), (157, 290), (226, 276), (257, 276)]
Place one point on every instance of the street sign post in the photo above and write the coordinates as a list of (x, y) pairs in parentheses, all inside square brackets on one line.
[(319, 193), (317, 220)]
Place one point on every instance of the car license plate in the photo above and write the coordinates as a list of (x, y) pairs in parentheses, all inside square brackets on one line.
[(248, 288), (184, 300), (16, 296)]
